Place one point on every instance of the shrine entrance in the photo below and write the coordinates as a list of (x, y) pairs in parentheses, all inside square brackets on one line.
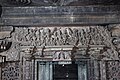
[(62, 71)]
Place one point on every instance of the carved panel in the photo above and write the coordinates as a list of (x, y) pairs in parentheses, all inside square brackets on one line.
[(62, 36), (11, 71), (113, 70), (91, 70), (5, 31), (62, 56), (39, 36), (103, 70), (13, 53), (27, 70)]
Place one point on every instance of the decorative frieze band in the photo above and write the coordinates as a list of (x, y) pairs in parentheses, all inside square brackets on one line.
[(93, 41)]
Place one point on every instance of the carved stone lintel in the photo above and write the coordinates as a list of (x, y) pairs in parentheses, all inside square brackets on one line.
[(56, 36), (73, 39)]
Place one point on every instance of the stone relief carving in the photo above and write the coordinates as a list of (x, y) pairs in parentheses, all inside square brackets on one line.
[(58, 36), (28, 43), (11, 71), (62, 55), (13, 53), (112, 69), (61, 36), (108, 42), (115, 29), (5, 31)]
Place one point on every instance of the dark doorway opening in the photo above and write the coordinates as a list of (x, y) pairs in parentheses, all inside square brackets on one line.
[(62, 70), (65, 72)]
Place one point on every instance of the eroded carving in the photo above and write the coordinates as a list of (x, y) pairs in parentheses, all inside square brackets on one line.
[(58, 36), (5, 31), (113, 72), (13, 53), (62, 36), (62, 56), (11, 71)]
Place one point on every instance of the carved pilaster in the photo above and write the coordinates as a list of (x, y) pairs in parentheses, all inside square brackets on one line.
[(26, 62), (103, 70), (27, 69), (96, 70)]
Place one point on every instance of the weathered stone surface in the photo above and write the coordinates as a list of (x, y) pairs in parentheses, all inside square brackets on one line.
[(60, 15), (5, 31), (89, 40), (97, 46), (57, 2)]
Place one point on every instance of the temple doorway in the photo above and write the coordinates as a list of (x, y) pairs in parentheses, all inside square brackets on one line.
[(62, 71)]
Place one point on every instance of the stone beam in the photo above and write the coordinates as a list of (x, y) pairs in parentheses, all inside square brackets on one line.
[(57, 2), (62, 15)]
